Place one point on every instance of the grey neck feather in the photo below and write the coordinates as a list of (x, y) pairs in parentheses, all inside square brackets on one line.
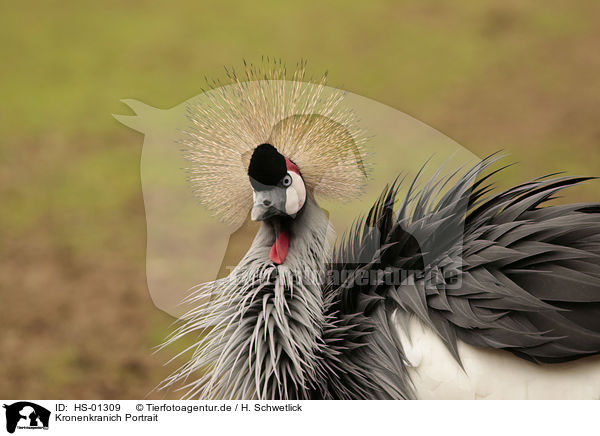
[(261, 328)]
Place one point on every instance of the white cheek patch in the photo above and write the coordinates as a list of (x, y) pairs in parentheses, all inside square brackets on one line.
[(295, 195), (291, 201)]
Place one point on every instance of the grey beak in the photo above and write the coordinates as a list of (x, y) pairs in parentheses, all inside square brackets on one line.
[(268, 203)]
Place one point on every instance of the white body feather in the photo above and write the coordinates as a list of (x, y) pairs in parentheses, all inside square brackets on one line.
[(490, 374)]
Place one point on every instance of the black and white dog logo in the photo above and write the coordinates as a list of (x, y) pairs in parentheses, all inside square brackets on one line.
[(26, 415)]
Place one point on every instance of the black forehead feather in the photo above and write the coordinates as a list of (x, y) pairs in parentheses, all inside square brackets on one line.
[(267, 165)]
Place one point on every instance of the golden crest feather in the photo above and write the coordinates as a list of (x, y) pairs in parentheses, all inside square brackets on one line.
[(306, 121)]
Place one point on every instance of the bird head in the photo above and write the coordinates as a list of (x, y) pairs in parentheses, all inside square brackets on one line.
[(277, 184), (267, 144)]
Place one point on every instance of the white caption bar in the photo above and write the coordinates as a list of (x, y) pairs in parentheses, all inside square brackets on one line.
[(45, 418)]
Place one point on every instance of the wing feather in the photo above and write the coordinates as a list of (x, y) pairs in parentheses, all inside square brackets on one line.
[(503, 271)]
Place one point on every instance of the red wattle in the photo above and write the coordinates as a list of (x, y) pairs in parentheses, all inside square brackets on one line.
[(280, 247)]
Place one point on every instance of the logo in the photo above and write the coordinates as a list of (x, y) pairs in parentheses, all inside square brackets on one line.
[(26, 415)]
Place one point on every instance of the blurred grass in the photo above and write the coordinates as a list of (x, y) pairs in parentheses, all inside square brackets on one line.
[(75, 316)]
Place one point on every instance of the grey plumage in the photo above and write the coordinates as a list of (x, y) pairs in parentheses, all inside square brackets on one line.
[(529, 276), (261, 326), (507, 274)]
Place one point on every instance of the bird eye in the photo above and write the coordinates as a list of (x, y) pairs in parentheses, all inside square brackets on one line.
[(286, 181)]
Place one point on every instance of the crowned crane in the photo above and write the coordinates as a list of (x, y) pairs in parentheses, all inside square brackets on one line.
[(405, 306)]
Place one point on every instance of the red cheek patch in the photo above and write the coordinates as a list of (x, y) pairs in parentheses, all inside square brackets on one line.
[(291, 166)]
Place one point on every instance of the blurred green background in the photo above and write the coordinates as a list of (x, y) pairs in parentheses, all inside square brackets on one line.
[(76, 320)]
